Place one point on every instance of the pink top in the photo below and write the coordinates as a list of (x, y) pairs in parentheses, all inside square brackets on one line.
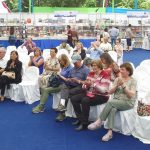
[(100, 84)]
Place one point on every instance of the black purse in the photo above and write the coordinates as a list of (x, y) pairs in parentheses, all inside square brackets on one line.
[(54, 80)]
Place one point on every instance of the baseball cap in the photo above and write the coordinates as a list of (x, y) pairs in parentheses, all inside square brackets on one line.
[(76, 58)]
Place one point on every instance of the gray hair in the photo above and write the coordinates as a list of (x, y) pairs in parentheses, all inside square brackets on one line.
[(3, 49)]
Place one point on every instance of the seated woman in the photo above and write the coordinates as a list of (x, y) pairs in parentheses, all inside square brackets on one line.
[(51, 65), (45, 91), (37, 60), (105, 45), (108, 63), (124, 90), (96, 92), (119, 49), (14, 67), (80, 50)]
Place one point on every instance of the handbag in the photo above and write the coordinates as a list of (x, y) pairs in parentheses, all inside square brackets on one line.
[(54, 80), (143, 109), (9, 74)]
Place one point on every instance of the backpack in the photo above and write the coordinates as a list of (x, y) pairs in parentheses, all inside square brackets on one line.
[(54, 80)]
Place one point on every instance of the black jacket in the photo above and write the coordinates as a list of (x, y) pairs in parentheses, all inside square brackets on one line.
[(17, 69)]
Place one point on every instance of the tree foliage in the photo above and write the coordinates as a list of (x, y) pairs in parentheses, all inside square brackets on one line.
[(13, 4)]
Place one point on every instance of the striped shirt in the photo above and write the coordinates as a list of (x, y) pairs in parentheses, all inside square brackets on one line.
[(100, 84)]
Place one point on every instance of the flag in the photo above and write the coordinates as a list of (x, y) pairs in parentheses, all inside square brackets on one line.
[(5, 6)]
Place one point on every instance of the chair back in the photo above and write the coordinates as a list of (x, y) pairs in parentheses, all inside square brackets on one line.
[(62, 51), (22, 50), (9, 50), (113, 55), (31, 74), (46, 53)]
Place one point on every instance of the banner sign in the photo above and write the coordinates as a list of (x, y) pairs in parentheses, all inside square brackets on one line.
[(65, 13), (137, 14)]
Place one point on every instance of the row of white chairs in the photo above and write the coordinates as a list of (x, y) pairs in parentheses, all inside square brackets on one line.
[(28, 90), (126, 122)]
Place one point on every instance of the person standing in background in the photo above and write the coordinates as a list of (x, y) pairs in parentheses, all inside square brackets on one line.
[(12, 37), (113, 32), (106, 34), (129, 36), (75, 37), (69, 34)]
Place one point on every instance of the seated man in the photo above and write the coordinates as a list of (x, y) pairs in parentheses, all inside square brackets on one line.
[(72, 84), (3, 62), (94, 50), (29, 44)]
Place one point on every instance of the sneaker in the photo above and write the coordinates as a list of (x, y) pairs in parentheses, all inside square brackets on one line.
[(107, 137), (61, 108), (61, 117), (38, 109), (95, 125)]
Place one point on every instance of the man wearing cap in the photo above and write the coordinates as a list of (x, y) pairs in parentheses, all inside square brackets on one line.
[(3, 62), (72, 84)]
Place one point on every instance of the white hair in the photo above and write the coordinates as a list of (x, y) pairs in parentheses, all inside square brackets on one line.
[(3, 49)]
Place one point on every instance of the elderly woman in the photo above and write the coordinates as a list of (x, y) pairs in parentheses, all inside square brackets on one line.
[(51, 65), (65, 70), (37, 60), (96, 93), (12, 73), (124, 90)]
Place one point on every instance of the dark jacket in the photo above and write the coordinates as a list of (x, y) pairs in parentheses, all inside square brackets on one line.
[(17, 69)]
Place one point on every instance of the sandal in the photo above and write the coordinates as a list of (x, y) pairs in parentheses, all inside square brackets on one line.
[(95, 125), (107, 137)]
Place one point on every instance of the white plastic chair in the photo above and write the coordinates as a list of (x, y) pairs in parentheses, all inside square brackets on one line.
[(124, 122), (28, 89), (94, 110), (22, 50), (63, 51), (142, 128), (24, 58), (46, 53), (145, 63), (9, 50)]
